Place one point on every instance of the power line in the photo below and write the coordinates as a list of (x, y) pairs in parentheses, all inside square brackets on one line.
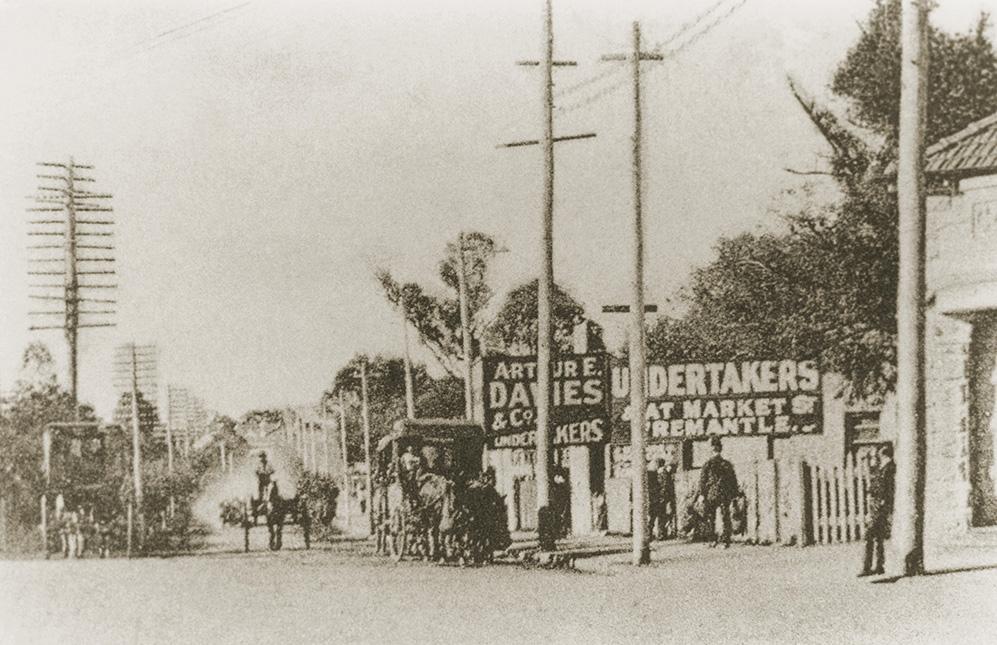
[(125, 54), (200, 20), (614, 71), (668, 54)]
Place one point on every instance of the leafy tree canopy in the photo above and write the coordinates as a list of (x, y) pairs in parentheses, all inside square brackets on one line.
[(514, 329), (436, 318), (825, 284), (437, 398)]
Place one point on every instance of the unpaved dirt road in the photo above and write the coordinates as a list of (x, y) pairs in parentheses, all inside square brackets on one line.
[(343, 593)]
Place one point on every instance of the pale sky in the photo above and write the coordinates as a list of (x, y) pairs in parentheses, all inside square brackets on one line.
[(264, 156)]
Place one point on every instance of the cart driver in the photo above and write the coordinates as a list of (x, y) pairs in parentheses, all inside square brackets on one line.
[(264, 473), (410, 461)]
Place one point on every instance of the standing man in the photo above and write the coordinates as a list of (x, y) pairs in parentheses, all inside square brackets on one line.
[(654, 515), (881, 491), (666, 482), (264, 473), (717, 488)]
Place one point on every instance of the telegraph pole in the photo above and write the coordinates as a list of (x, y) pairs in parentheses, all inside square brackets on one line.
[(545, 283), (67, 198), (465, 327), (365, 415), (409, 388), (346, 460), (638, 350), (135, 369), (908, 531)]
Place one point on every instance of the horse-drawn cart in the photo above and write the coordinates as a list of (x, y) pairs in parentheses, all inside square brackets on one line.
[(431, 498), (276, 511)]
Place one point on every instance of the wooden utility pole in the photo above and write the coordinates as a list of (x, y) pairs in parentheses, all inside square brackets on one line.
[(465, 327), (638, 350), (346, 459), (140, 363), (67, 198), (169, 448), (908, 525), (365, 415), (136, 435), (135, 373), (409, 387), (545, 283), (313, 446)]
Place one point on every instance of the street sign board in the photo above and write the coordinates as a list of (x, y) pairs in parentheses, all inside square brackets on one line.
[(580, 411), (735, 398)]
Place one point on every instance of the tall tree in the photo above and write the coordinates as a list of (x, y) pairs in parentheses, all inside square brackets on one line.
[(514, 329), (962, 83), (436, 318), (37, 400), (825, 284), (386, 396)]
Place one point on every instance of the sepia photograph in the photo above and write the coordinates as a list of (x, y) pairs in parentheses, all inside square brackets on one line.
[(479, 322)]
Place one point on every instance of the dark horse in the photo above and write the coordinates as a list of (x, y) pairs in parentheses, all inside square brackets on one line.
[(277, 510), (274, 510)]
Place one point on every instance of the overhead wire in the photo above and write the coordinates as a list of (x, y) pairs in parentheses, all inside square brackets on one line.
[(114, 59), (659, 48), (616, 69)]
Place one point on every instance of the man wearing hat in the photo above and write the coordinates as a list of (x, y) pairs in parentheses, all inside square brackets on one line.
[(881, 493), (264, 473), (717, 488)]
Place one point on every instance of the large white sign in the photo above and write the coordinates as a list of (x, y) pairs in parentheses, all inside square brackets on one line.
[(746, 398)]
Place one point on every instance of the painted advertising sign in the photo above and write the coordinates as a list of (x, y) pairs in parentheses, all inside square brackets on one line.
[(581, 401), (744, 398)]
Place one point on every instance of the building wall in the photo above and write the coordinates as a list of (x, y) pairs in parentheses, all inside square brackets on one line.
[(961, 273)]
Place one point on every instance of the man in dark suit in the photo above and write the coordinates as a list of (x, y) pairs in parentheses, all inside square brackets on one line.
[(717, 488), (653, 501), (881, 490)]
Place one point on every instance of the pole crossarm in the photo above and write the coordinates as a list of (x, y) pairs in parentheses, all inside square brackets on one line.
[(536, 142), (652, 56), (556, 63)]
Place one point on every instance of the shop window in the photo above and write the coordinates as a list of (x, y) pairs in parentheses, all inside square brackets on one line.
[(982, 381), (862, 435)]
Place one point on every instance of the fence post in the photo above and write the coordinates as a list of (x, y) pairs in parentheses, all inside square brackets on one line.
[(852, 502), (751, 513), (817, 493), (835, 496), (805, 536), (128, 547), (44, 524), (3, 523), (776, 506), (863, 471), (839, 480)]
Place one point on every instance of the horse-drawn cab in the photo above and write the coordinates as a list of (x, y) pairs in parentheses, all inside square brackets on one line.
[(429, 494)]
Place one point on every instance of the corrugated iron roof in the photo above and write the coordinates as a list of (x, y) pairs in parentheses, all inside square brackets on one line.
[(971, 151)]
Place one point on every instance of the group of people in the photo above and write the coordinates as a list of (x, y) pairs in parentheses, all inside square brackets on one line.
[(81, 531), (661, 503), (718, 489)]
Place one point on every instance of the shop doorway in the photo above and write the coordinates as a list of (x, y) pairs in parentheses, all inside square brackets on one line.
[(982, 419)]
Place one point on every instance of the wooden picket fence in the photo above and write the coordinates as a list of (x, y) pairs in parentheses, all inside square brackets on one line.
[(838, 504)]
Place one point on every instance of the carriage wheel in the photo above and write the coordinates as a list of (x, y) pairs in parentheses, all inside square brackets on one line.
[(398, 538)]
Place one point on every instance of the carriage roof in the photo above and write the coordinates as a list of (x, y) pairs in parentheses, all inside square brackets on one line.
[(439, 431)]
